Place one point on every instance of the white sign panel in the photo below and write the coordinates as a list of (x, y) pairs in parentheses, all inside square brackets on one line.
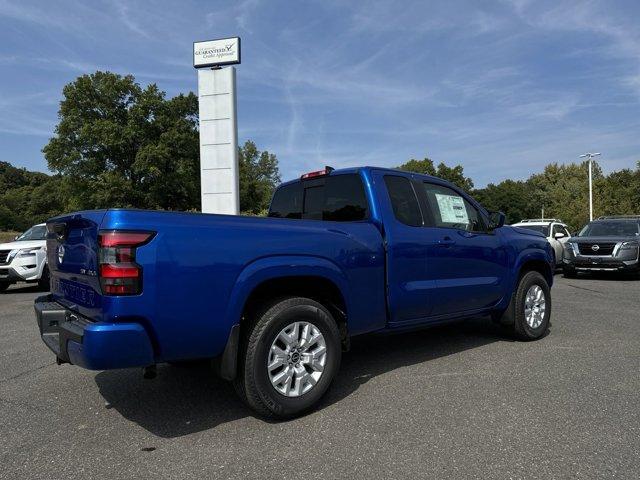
[(452, 209), (215, 53)]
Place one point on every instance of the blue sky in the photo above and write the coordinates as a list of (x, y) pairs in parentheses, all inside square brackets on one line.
[(501, 87)]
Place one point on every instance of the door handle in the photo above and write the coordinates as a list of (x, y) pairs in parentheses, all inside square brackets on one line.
[(446, 242)]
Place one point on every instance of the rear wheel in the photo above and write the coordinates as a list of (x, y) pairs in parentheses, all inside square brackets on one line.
[(289, 357), (4, 286)]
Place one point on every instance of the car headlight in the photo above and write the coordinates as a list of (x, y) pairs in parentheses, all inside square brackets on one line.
[(28, 252), (628, 248)]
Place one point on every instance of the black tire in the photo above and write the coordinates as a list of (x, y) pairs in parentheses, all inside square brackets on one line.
[(521, 329), (4, 286), (44, 283), (569, 273), (252, 382)]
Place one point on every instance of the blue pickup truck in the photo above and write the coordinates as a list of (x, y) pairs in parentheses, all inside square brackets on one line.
[(274, 301)]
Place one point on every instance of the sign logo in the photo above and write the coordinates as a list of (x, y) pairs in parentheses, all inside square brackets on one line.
[(214, 53), (60, 253), (595, 248)]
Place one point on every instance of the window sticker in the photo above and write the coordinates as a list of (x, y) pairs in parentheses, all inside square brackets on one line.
[(452, 209)]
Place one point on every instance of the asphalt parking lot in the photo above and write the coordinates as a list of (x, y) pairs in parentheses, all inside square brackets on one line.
[(461, 401)]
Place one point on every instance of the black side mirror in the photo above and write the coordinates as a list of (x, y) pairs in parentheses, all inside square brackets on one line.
[(496, 220)]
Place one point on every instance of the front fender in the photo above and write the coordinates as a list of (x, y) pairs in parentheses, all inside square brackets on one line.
[(538, 254), (277, 267)]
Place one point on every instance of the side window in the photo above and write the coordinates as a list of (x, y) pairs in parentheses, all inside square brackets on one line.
[(403, 200), (287, 202), (566, 232), (556, 229), (451, 210)]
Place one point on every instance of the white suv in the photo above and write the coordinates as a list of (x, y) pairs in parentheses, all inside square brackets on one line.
[(555, 230), (25, 259)]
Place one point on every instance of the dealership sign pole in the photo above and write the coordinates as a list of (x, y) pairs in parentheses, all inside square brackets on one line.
[(218, 124)]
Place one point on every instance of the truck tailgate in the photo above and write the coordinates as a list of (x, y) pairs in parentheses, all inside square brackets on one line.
[(72, 255)]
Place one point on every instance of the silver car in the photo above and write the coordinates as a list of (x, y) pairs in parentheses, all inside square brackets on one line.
[(555, 230)]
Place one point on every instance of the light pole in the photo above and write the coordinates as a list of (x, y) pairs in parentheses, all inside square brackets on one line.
[(590, 157)]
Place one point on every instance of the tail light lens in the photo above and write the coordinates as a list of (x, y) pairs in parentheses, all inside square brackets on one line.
[(119, 272)]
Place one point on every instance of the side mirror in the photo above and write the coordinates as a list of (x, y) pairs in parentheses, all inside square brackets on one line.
[(558, 235), (496, 220)]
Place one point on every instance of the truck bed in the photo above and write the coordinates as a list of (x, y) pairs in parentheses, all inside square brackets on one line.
[(199, 269)]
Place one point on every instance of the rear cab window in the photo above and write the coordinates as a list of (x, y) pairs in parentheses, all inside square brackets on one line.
[(337, 198), (287, 202)]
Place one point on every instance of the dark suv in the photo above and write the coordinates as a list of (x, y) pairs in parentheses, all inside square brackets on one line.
[(608, 244)]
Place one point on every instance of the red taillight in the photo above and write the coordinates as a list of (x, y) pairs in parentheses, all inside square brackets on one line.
[(115, 238), (119, 274), (319, 173)]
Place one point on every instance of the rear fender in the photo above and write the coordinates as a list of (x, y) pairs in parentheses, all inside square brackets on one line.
[(276, 267)]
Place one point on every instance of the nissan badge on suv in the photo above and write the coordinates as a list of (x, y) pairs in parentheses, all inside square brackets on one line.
[(608, 244)]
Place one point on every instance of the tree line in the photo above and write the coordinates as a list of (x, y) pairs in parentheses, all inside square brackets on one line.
[(118, 144), (561, 189)]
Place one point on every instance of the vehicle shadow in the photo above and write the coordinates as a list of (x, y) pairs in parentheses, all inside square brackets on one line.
[(182, 400)]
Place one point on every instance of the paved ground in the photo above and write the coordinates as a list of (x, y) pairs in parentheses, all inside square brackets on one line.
[(460, 401)]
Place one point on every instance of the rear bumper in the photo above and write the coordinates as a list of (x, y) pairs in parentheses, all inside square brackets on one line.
[(92, 345)]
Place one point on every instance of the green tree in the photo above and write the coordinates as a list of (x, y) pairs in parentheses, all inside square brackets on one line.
[(454, 175), (619, 192), (121, 145), (259, 176), (28, 197), (564, 193), (511, 197)]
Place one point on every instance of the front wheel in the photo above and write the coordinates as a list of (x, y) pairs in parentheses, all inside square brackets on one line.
[(289, 357), (532, 307), (4, 286)]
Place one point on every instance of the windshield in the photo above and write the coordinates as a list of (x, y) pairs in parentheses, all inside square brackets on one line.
[(39, 232), (610, 229), (544, 229)]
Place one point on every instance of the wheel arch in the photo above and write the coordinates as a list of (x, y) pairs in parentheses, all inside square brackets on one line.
[(535, 264), (273, 277)]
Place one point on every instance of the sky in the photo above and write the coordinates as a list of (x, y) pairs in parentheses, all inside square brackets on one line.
[(500, 87)]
